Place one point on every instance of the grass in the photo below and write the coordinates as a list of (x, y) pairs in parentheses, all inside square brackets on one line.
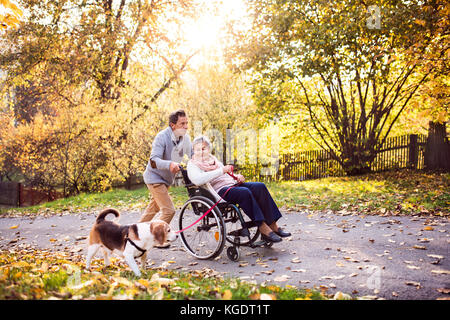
[(119, 198), (37, 274), (400, 192)]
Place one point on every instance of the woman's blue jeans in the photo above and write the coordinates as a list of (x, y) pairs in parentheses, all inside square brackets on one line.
[(255, 200)]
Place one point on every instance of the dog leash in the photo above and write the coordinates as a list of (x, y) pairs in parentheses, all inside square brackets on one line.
[(215, 204)]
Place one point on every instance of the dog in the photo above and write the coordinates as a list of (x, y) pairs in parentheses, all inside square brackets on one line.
[(128, 241)]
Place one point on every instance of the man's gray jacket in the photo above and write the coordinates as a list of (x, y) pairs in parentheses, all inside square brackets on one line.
[(166, 148)]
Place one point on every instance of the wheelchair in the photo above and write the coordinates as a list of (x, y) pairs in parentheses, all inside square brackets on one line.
[(225, 223)]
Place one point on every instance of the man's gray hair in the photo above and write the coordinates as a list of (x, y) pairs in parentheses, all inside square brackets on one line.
[(201, 139)]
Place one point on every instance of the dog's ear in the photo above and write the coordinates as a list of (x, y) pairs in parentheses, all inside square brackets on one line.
[(159, 233), (152, 227), (154, 224)]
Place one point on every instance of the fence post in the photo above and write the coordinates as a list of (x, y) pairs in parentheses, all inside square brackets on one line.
[(413, 151), (19, 194)]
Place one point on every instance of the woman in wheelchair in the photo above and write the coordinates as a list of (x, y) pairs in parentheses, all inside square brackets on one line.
[(252, 197)]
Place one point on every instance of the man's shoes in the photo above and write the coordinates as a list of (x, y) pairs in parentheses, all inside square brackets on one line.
[(271, 237), (165, 245), (282, 233)]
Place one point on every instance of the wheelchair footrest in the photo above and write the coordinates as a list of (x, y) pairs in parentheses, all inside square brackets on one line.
[(240, 233), (257, 244), (261, 243)]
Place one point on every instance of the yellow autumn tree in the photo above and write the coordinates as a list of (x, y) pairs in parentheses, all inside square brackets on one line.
[(77, 93), (53, 153), (10, 15)]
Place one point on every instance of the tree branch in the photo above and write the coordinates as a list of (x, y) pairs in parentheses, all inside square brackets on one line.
[(163, 88)]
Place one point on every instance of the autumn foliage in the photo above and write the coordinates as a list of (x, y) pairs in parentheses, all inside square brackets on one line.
[(86, 86)]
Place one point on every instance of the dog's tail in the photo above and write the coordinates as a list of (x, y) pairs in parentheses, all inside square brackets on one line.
[(104, 213)]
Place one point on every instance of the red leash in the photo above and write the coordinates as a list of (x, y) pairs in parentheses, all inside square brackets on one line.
[(215, 204)]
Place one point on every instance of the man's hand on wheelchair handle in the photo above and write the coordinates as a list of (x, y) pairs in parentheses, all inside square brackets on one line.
[(174, 167)]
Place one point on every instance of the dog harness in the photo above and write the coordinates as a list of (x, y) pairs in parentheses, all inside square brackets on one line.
[(136, 246)]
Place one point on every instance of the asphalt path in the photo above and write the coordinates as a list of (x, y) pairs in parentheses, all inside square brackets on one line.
[(396, 257)]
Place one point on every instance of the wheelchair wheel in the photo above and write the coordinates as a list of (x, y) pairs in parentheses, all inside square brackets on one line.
[(204, 240), (233, 253)]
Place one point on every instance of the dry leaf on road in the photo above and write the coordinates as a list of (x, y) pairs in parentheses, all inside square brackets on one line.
[(298, 270), (282, 278), (412, 267), (435, 256), (440, 271), (443, 290), (413, 283)]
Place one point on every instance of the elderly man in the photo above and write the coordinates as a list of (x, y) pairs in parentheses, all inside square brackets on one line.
[(168, 149)]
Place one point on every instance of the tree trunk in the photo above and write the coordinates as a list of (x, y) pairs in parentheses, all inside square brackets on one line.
[(437, 148), (129, 182), (356, 160)]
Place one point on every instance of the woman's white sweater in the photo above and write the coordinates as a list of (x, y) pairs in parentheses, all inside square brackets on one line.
[(200, 177), (212, 180)]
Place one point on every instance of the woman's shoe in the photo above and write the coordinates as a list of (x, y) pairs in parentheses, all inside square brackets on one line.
[(271, 237), (282, 233)]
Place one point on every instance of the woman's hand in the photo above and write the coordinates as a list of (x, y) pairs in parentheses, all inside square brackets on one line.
[(240, 178)]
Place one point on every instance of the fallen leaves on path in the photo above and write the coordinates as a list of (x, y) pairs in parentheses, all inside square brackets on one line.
[(41, 274)]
